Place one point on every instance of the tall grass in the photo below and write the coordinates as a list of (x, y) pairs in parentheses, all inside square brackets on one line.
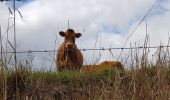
[(149, 83)]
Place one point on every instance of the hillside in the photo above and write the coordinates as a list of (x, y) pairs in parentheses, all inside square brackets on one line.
[(151, 83)]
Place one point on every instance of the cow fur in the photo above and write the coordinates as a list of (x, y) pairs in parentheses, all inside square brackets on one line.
[(103, 66), (69, 56), (114, 64)]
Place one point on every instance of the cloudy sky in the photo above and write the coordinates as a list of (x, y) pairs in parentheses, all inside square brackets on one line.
[(108, 21)]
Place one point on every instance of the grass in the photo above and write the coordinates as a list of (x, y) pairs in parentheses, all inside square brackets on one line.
[(150, 83)]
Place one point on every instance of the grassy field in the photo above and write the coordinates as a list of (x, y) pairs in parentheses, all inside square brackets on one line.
[(147, 83)]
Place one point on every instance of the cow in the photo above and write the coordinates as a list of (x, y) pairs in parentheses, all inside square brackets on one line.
[(114, 64), (103, 66), (69, 57)]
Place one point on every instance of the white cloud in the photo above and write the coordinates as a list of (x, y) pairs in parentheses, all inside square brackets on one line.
[(43, 19)]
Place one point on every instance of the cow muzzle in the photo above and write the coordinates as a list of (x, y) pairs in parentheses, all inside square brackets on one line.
[(69, 45)]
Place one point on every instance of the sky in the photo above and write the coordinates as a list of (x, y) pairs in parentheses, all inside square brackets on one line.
[(108, 21)]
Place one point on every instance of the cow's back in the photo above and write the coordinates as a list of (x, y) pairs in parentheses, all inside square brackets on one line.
[(114, 64), (103, 66)]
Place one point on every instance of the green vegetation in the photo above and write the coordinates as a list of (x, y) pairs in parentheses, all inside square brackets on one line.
[(148, 83)]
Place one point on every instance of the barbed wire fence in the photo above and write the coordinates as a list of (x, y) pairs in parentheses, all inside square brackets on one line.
[(87, 49), (49, 55)]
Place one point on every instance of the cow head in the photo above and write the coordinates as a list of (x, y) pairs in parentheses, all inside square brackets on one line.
[(70, 36)]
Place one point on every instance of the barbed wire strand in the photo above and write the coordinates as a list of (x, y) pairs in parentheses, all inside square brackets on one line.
[(97, 49)]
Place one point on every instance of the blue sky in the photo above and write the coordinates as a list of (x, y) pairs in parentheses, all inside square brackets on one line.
[(18, 3), (159, 8)]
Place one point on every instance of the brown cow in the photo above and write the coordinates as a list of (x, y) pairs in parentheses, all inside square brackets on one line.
[(69, 56), (114, 64), (103, 66)]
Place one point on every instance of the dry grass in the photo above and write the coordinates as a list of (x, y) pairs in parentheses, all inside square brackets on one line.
[(151, 83)]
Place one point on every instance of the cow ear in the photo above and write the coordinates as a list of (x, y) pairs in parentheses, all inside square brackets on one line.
[(62, 33), (78, 35)]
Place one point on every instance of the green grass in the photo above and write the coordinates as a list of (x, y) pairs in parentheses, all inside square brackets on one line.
[(150, 83)]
